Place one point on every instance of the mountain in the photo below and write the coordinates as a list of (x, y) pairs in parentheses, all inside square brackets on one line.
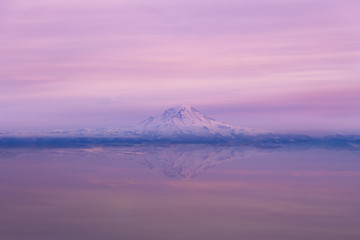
[(185, 121), (181, 124), (174, 122)]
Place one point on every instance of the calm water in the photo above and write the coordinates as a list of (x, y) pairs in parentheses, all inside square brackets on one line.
[(179, 192)]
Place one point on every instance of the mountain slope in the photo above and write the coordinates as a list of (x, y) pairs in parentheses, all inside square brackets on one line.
[(186, 120)]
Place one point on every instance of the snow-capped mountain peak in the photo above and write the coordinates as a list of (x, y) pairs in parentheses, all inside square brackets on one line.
[(185, 120), (185, 114)]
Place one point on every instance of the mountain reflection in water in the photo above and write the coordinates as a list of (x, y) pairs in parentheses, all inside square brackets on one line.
[(179, 192), (185, 162)]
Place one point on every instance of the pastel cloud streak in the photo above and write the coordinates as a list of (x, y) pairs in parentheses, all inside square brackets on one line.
[(110, 63)]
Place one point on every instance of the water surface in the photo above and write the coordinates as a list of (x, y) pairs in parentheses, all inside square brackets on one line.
[(179, 192)]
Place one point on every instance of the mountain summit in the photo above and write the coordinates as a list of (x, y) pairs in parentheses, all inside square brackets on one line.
[(186, 120)]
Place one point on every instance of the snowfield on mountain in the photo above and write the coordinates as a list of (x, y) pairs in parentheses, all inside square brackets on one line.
[(186, 120)]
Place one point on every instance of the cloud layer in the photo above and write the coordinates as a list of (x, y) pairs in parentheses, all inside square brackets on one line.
[(101, 63)]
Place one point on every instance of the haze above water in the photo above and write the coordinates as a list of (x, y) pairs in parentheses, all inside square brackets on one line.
[(179, 192)]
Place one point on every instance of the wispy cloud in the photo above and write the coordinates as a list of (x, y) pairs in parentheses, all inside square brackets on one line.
[(294, 55)]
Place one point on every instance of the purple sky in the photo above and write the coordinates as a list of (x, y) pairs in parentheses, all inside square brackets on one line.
[(281, 65)]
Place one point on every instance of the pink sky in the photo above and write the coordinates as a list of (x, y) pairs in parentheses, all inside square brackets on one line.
[(282, 65)]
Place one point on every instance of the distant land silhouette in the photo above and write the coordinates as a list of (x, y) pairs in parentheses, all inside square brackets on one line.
[(180, 124)]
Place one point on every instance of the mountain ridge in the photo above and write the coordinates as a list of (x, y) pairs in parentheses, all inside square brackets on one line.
[(180, 124)]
